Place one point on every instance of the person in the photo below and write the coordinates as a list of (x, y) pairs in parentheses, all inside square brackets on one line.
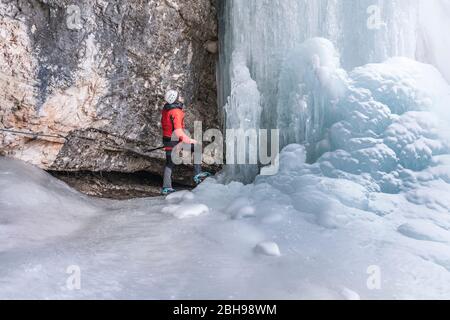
[(172, 122)]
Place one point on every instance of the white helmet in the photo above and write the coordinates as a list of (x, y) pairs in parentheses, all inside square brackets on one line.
[(171, 96)]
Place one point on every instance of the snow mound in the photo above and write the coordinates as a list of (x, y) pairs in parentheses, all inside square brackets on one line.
[(186, 210), (268, 249), (424, 230), (245, 212), (35, 207), (350, 295), (180, 196), (183, 205), (241, 208)]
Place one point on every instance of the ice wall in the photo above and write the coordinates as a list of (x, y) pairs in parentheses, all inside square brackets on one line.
[(271, 34), (243, 112)]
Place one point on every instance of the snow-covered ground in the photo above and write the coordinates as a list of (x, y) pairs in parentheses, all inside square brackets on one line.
[(293, 236)]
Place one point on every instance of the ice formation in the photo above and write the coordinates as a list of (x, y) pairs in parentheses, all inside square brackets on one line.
[(243, 112), (296, 75)]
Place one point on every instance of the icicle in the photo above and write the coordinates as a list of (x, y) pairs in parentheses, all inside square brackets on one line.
[(243, 113)]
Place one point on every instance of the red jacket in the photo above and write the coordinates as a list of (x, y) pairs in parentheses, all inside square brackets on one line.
[(172, 120)]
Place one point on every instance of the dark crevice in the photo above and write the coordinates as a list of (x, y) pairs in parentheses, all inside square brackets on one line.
[(114, 185)]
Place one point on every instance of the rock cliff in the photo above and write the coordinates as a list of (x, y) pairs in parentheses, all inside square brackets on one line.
[(91, 75)]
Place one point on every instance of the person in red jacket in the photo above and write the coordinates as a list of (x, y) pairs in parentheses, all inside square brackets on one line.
[(172, 122)]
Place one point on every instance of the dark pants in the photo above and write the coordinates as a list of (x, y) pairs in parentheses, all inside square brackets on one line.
[(170, 166)]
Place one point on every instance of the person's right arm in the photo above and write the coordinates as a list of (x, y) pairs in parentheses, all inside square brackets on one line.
[(177, 118)]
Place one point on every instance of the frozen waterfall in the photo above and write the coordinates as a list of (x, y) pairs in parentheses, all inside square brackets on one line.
[(299, 82)]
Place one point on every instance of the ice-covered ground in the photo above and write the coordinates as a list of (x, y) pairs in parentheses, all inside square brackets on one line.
[(297, 235)]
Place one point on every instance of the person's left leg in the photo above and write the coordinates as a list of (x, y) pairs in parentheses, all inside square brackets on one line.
[(168, 169), (197, 160), (199, 175)]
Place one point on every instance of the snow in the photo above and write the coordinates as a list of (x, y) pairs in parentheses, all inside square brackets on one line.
[(180, 195), (350, 295), (424, 230), (244, 212), (44, 207), (241, 208), (186, 210), (331, 231), (268, 249)]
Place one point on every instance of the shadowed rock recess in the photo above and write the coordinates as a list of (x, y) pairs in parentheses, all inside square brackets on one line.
[(94, 72)]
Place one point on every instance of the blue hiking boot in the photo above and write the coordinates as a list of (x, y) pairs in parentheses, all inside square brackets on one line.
[(201, 177), (167, 191)]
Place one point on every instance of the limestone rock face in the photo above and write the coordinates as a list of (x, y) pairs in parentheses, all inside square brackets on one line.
[(93, 73)]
